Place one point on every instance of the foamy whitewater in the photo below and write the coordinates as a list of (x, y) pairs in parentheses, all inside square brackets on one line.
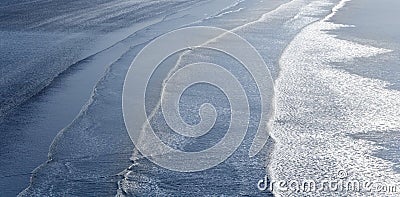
[(320, 109)]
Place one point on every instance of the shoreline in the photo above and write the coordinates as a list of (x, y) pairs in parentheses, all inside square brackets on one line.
[(335, 95), (56, 106), (318, 143), (176, 16), (54, 109)]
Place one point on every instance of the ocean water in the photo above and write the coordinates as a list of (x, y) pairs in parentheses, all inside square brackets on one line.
[(337, 116), (110, 151), (380, 30), (102, 139), (81, 42), (336, 99), (50, 36)]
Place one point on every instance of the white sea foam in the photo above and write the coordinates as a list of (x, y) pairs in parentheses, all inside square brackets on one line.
[(318, 107)]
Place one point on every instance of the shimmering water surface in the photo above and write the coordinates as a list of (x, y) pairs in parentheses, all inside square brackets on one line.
[(337, 96)]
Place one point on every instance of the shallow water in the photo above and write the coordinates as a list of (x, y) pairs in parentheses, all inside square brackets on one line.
[(333, 117), (31, 58), (336, 104), (275, 26)]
